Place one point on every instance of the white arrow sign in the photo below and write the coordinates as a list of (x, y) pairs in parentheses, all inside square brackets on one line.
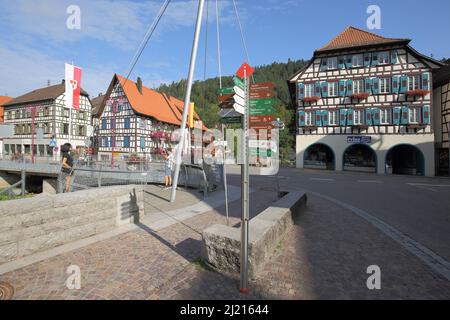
[(239, 92), (239, 108), (239, 100)]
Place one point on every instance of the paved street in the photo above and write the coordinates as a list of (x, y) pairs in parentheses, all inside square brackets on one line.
[(324, 256)]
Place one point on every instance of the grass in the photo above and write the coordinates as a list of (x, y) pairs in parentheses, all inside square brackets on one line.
[(200, 264), (4, 197)]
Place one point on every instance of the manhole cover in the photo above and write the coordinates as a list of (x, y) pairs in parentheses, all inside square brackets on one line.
[(6, 291)]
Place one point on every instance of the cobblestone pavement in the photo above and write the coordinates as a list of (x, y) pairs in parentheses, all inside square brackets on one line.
[(325, 256)]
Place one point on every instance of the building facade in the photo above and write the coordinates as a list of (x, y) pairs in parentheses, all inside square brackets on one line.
[(365, 103), (45, 109), (134, 120), (441, 100)]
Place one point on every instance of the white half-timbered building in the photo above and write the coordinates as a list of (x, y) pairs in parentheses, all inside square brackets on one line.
[(51, 120), (135, 120), (364, 103)]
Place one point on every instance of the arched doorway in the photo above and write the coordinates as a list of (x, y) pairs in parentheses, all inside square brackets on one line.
[(319, 156), (405, 159), (360, 158)]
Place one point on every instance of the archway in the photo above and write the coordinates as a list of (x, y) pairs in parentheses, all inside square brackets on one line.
[(405, 159), (361, 158), (319, 156)]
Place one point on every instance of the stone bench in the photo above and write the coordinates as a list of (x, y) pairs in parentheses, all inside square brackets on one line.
[(221, 244)]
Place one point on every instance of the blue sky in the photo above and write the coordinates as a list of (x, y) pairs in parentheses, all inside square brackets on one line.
[(35, 42)]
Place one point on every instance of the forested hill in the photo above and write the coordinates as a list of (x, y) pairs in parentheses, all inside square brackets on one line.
[(205, 97)]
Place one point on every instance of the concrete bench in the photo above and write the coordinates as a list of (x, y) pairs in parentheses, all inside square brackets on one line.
[(221, 244)]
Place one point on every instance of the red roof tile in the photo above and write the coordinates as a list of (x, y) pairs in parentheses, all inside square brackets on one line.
[(3, 100)]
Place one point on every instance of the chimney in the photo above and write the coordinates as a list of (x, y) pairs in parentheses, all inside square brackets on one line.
[(63, 81), (139, 84), (48, 83)]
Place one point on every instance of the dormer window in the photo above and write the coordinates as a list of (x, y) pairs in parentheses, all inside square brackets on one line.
[(384, 57), (332, 63), (357, 60)]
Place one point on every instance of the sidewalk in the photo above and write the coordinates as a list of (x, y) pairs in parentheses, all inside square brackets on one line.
[(325, 256)]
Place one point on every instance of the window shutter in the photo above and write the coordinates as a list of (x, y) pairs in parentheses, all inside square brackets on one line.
[(397, 115), (395, 84), (318, 117), (301, 91), (342, 117), (325, 118), (426, 81), (349, 90), (367, 57), (325, 89), (368, 115), (394, 56), (349, 117), (403, 84), (426, 114), (405, 114), (342, 88), (317, 89), (376, 86), (341, 62), (375, 60), (368, 85), (348, 62), (301, 118), (313, 118), (376, 116)]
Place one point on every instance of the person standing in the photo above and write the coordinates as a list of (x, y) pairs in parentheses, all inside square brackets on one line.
[(168, 167), (66, 165)]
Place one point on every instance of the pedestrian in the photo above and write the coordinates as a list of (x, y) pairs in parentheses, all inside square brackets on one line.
[(66, 165), (168, 167)]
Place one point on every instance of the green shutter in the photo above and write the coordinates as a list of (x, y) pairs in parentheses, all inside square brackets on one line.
[(342, 117), (301, 91), (426, 114), (349, 89), (368, 115), (375, 60), (376, 86), (342, 88), (397, 115), (349, 117), (317, 89), (318, 117), (376, 116), (405, 114), (403, 84), (394, 56), (325, 118), (425, 81), (368, 86), (325, 89), (301, 118), (395, 84)]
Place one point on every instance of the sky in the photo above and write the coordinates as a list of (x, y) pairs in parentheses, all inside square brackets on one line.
[(35, 41)]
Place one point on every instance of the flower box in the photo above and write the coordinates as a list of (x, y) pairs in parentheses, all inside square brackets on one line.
[(311, 99), (418, 92), (360, 96)]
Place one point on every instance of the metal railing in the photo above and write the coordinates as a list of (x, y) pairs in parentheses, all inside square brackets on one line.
[(9, 190)]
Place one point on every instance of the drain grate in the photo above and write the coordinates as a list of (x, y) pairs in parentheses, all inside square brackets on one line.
[(6, 291)]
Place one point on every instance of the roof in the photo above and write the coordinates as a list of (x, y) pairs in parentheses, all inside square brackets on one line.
[(441, 76), (150, 103), (3, 100), (353, 37), (42, 94), (96, 105)]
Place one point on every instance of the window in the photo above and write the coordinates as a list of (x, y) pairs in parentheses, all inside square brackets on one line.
[(384, 57), (104, 124), (358, 86), (65, 128), (309, 90), (414, 82), (142, 143), (105, 141), (358, 117), (385, 116), (46, 111), (126, 142), (332, 63), (81, 115), (332, 118), (333, 89), (6, 149), (385, 85), (113, 123), (414, 115), (66, 113), (309, 118), (81, 131), (357, 60), (17, 114), (119, 108), (127, 123)]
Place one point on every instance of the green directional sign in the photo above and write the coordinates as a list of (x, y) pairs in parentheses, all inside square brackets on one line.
[(262, 110), (238, 82), (226, 91), (231, 120), (262, 102)]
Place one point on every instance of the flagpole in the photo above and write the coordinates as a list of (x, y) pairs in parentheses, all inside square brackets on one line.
[(187, 99), (70, 117)]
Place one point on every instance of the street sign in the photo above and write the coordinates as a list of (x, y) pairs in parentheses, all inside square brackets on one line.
[(225, 97), (261, 121), (238, 82), (239, 108), (262, 94), (262, 110), (245, 69), (262, 102), (239, 100), (231, 120), (262, 86), (238, 91), (226, 91)]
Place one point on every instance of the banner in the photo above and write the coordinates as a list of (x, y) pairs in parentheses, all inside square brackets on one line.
[(73, 86)]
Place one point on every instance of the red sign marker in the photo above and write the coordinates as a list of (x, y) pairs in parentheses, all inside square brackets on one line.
[(248, 71)]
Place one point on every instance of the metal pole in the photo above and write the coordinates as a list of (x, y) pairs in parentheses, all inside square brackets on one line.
[(225, 184), (23, 178), (33, 128), (187, 98), (245, 193)]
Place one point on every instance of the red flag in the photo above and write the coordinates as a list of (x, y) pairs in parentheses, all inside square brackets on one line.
[(73, 86)]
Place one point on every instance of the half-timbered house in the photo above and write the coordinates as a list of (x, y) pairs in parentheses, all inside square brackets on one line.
[(134, 119), (51, 120), (364, 103)]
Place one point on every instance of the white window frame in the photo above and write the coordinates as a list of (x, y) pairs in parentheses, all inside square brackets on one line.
[(385, 85), (385, 116), (309, 117), (414, 82), (333, 89), (414, 115), (332, 63), (358, 116), (333, 118), (384, 57), (309, 90), (358, 86), (358, 60)]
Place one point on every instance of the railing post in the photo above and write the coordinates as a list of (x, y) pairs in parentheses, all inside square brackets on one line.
[(23, 178), (59, 183)]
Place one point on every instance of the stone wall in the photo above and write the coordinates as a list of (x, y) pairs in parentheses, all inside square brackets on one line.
[(46, 221), (221, 244)]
